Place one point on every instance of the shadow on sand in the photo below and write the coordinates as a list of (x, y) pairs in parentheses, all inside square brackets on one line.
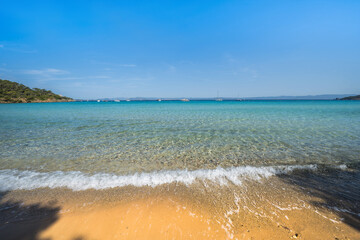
[(337, 190), (334, 189), (24, 222)]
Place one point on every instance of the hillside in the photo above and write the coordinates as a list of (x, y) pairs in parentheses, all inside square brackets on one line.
[(357, 97), (13, 92)]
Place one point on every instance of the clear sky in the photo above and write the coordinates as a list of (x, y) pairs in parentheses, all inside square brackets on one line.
[(94, 49)]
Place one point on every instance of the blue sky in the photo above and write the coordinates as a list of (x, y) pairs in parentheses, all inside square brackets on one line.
[(94, 49)]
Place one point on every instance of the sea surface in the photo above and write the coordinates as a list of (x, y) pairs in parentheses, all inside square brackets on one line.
[(84, 145)]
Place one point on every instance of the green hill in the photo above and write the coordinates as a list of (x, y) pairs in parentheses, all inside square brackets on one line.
[(13, 92), (357, 97)]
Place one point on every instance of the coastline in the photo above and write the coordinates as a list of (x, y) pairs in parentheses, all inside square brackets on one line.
[(260, 170), (272, 208), (37, 101)]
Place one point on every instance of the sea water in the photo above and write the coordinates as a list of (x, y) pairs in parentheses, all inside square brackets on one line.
[(84, 145)]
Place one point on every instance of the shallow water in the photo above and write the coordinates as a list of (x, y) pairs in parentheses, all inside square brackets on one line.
[(130, 137), (276, 168), (184, 139)]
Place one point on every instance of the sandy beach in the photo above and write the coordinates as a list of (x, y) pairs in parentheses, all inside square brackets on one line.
[(270, 209)]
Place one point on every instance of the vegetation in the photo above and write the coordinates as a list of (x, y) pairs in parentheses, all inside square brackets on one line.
[(13, 92), (357, 97)]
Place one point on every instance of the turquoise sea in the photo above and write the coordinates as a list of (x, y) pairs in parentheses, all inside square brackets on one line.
[(180, 140)]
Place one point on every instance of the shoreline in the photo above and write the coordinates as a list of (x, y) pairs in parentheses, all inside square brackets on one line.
[(270, 209), (257, 170), (38, 101)]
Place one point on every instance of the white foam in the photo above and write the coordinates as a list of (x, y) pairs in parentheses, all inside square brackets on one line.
[(27, 180), (342, 167)]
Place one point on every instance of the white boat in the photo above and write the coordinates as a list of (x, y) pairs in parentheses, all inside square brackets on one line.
[(217, 97)]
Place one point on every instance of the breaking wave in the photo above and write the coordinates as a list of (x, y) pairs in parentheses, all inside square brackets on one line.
[(11, 179)]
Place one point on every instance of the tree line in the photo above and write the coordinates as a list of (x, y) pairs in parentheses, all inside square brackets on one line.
[(13, 92)]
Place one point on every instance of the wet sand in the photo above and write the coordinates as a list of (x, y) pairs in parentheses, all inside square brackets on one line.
[(269, 209)]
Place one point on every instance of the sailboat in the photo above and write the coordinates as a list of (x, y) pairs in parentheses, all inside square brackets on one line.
[(217, 98)]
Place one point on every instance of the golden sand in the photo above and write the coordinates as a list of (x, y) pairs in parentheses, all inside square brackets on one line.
[(252, 211), (143, 219)]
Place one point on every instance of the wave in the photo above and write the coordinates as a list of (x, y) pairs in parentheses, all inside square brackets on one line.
[(12, 179)]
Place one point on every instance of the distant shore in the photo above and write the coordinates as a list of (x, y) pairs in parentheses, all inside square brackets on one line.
[(36, 101), (357, 97), (13, 92)]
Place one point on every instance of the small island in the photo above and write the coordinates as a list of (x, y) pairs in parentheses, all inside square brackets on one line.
[(357, 97), (13, 92)]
